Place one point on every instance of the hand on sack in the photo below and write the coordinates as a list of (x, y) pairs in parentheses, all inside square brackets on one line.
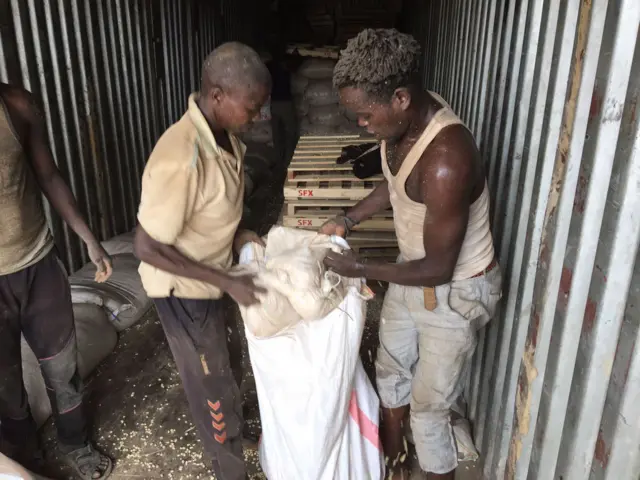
[(347, 264), (246, 236), (340, 226), (243, 290), (101, 259)]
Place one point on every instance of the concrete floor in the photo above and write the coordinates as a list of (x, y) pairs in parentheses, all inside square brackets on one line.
[(141, 418)]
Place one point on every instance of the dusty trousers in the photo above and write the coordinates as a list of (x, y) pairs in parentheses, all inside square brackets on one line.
[(36, 302), (197, 332)]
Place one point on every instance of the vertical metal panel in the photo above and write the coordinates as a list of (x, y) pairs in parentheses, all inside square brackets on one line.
[(552, 100), (106, 87), (96, 119)]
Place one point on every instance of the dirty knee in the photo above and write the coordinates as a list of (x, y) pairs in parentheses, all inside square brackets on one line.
[(62, 378)]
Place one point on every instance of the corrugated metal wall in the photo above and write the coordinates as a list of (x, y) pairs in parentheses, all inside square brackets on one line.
[(238, 18), (110, 76), (550, 90)]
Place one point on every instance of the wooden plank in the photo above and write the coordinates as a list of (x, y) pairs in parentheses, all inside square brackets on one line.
[(318, 52), (320, 147), (333, 142), (315, 222), (332, 212), (354, 190), (320, 140), (330, 137), (304, 207), (321, 156), (321, 202), (322, 164), (331, 175)]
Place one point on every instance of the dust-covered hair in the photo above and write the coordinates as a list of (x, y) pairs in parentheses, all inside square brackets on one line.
[(378, 61), (234, 65)]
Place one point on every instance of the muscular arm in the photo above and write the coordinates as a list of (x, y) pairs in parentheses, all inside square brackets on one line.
[(447, 171), (169, 259), (373, 203), (30, 127)]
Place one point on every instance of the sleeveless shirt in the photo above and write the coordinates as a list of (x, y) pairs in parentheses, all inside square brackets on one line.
[(477, 250), (24, 234)]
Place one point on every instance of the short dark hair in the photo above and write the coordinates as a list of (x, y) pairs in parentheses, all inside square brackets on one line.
[(378, 61), (234, 65)]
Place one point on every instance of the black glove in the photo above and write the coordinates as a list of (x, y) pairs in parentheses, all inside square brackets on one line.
[(351, 152)]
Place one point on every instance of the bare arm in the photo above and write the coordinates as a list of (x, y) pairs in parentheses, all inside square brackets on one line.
[(30, 127), (169, 259), (169, 192), (373, 203), (446, 191)]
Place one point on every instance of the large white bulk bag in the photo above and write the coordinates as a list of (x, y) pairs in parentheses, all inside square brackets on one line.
[(319, 410), (299, 287), (10, 470), (96, 338)]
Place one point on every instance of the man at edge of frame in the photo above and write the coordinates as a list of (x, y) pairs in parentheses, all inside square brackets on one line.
[(35, 296), (446, 283)]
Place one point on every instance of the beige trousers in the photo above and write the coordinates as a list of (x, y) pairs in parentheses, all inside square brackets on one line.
[(424, 356)]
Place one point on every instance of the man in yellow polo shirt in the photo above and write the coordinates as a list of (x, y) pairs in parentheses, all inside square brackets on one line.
[(190, 210)]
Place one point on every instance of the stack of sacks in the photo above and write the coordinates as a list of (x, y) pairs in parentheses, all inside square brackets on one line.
[(261, 154), (316, 100), (299, 287), (260, 131), (259, 160)]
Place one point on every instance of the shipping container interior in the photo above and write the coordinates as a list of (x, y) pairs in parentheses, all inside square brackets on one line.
[(550, 91)]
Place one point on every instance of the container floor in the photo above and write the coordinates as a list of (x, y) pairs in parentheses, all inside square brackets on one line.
[(140, 416)]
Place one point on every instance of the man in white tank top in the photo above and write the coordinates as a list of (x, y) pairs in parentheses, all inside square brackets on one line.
[(446, 283)]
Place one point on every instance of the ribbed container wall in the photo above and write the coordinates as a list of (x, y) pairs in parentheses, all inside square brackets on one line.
[(550, 89), (110, 75), (238, 18), (188, 35)]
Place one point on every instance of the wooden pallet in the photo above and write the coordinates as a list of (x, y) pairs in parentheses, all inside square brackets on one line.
[(333, 140), (348, 189), (315, 221), (308, 50), (301, 206), (314, 160)]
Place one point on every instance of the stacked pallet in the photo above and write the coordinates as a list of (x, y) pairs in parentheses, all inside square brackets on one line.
[(309, 50), (318, 188)]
